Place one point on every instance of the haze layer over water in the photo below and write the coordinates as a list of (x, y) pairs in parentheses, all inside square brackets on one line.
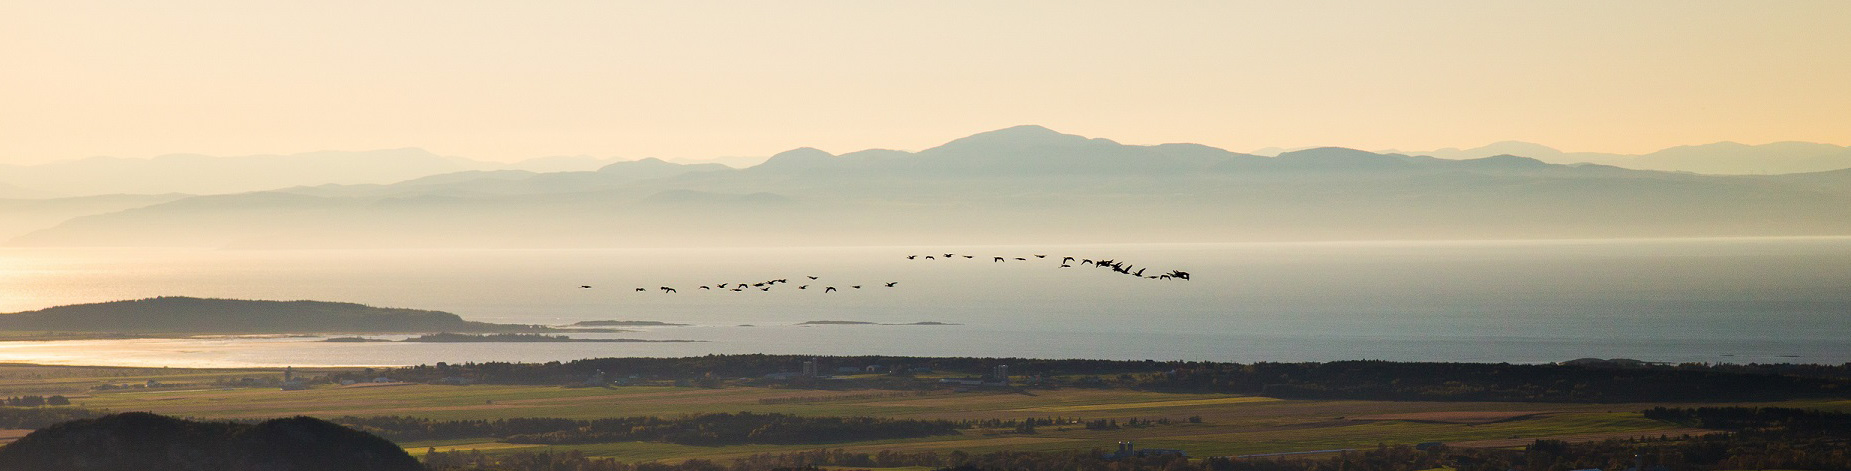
[(1714, 300)]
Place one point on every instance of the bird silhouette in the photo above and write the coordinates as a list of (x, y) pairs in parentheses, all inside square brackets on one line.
[(929, 257), (803, 287), (585, 287), (970, 256), (910, 257), (1040, 256), (830, 289), (998, 259), (666, 289), (1064, 260), (891, 283), (641, 289), (855, 286), (722, 285), (949, 255), (1020, 258), (767, 288), (705, 287), (812, 277)]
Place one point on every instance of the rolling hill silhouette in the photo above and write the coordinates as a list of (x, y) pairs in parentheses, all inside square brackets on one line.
[(140, 440)]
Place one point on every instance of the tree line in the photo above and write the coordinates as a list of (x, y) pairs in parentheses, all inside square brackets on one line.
[(36, 401), (1368, 380), (40, 417), (695, 429)]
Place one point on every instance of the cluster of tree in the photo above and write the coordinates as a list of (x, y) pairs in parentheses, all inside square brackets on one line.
[(571, 460), (1758, 420), (1382, 380), (1029, 425), (699, 429), (840, 397), (1377, 380), (758, 365), (36, 417), (249, 382), (1740, 450), (35, 401), (147, 441)]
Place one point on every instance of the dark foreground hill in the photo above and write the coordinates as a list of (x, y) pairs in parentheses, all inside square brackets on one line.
[(143, 441), (198, 315)]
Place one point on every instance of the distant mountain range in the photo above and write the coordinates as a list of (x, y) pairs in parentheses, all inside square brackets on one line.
[(201, 174), (1024, 184), (1722, 158)]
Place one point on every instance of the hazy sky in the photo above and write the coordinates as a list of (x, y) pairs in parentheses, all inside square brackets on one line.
[(508, 80)]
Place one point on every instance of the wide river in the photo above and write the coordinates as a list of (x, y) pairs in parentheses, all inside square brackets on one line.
[(1670, 300)]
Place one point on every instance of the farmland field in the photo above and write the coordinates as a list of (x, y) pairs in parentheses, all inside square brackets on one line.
[(1202, 424)]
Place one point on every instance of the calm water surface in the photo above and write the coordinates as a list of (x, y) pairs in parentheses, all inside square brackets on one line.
[(1709, 300)]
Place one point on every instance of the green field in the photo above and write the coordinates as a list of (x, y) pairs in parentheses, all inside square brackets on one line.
[(1229, 425)]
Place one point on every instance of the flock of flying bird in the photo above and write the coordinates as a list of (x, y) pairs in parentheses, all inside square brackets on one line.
[(1065, 262), (748, 286)]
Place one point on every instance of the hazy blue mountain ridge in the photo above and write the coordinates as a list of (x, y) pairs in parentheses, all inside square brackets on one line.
[(1721, 158), (1025, 184)]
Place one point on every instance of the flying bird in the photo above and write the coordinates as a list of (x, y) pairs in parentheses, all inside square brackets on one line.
[(585, 287), (830, 289), (891, 283)]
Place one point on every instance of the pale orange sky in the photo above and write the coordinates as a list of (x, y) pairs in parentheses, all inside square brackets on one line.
[(512, 80)]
